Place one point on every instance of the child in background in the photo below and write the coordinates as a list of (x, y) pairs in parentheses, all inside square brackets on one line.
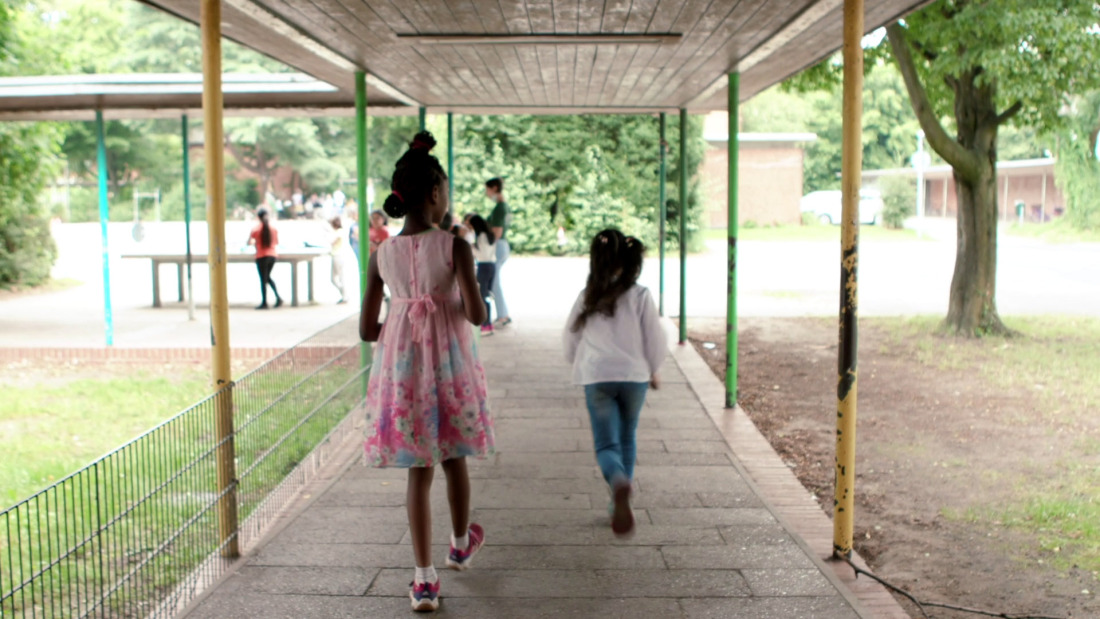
[(615, 343), (336, 252), (485, 252), (266, 238), (426, 397), (378, 231)]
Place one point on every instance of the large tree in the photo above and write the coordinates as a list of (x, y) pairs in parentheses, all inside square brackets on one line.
[(982, 64)]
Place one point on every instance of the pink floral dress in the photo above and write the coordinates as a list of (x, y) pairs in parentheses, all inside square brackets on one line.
[(426, 399)]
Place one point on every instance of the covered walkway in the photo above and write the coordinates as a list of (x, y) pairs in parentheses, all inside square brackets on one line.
[(724, 528)]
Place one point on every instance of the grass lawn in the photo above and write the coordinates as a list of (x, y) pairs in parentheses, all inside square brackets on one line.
[(1057, 231), (814, 232), (1057, 358), (56, 418)]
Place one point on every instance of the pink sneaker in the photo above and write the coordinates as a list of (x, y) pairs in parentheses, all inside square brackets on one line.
[(424, 596), (460, 559), (486, 330)]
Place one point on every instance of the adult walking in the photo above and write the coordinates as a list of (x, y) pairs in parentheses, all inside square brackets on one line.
[(499, 220), (266, 238)]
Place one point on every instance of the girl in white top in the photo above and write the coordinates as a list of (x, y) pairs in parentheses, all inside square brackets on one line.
[(485, 253), (616, 344)]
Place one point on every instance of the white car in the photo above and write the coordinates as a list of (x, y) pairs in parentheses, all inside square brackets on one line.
[(826, 206)]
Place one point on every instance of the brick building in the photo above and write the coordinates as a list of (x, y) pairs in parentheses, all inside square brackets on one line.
[(1030, 181), (769, 175)]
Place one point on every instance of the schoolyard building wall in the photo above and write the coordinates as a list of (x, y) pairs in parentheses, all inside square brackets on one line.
[(769, 179)]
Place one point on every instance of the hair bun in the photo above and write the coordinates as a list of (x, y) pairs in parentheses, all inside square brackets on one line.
[(395, 207), (423, 140)]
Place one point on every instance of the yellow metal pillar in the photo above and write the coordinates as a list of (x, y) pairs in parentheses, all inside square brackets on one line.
[(219, 302), (851, 163)]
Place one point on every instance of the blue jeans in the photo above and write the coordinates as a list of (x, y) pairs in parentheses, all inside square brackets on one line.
[(614, 409), (503, 251)]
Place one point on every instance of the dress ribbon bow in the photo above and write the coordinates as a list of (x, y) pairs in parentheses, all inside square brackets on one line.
[(420, 308)]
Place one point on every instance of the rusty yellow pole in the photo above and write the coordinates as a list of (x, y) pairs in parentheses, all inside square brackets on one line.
[(219, 302), (851, 163)]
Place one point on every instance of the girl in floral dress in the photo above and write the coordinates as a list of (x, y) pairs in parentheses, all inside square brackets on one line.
[(426, 399)]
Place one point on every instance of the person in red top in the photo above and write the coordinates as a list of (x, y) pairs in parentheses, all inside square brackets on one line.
[(378, 231), (266, 238)]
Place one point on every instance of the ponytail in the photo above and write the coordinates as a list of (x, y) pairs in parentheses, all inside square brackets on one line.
[(265, 232), (615, 262)]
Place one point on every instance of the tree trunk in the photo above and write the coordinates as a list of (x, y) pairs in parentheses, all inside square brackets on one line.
[(972, 309)]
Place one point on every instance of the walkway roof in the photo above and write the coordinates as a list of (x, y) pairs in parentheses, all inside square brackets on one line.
[(148, 95), (543, 56)]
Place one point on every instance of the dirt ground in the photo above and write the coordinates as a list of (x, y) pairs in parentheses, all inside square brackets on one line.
[(932, 444)]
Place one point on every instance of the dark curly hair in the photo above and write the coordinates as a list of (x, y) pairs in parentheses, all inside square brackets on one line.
[(416, 174), (615, 262)]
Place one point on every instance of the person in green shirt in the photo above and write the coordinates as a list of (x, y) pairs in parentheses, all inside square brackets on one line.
[(499, 220)]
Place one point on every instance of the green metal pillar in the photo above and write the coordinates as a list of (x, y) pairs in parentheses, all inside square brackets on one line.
[(683, 223), (731, 286), (450, 161), (662, 238), (423, 118), (187, 213), (361, 198), (104, 217)]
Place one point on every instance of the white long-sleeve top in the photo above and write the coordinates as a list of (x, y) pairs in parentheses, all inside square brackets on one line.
[(484, 251), (628, 347)]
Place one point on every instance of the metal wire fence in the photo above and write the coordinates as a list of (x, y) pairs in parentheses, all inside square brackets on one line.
[(135, 533)]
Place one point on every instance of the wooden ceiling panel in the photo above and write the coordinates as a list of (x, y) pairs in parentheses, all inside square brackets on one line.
[(589, 16), (615, 14), (541, 15), (697, 24), (641, 14), (567, 60), (734, 39), (329, 38), (566, 16)]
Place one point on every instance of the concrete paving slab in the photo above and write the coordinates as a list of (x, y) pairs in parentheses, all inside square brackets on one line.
[(630, 583), (768, 608), (315, 580), (706, 544), (736, 557)]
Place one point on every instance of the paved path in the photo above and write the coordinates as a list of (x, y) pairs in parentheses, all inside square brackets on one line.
[(707, 544)]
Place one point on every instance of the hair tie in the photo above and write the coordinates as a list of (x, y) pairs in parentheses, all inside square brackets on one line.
[(420, 144), (398, 194)]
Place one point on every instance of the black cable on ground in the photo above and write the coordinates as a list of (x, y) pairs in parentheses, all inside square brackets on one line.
[(921, 605)]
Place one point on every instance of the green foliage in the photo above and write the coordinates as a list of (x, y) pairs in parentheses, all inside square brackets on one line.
[(1077, 170), (899, 196), (1032, 52), (27, 250), (889, 125), (599, 170)]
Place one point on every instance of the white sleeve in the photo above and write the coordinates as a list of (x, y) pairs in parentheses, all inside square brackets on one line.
[(571, 339), (654, 341)]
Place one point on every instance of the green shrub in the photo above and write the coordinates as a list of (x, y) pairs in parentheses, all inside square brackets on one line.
[(27, 250), (899, 197)]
